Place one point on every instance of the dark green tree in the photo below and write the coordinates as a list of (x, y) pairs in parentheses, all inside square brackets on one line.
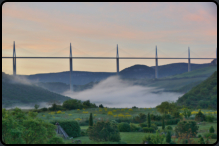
[(211, 130), (163, 124), (36, 106), (101, 106), (168, 137), (149, 120), (91, 120), (201, 140)]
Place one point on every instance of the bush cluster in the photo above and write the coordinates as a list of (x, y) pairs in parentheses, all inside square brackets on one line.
[(209, 118), (124, 127), (210, 135), (104, 131), (148, 130), (188, 127), (140, 118), (71, 127), (19, 127), (134, 128), (200, 116)]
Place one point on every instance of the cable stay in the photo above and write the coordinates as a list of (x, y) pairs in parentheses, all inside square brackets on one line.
[(107, 52), (60, 50), (80, 51)]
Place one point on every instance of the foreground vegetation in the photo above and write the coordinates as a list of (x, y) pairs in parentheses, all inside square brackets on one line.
[(131, 123)]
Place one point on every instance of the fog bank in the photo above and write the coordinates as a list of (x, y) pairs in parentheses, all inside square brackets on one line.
[(115, 92)]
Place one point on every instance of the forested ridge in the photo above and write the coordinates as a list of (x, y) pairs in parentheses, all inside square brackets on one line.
[(203, 95)]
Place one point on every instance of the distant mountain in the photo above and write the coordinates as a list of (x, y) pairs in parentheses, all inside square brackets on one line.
[(78, 77), (133, 72), (203, 95), (15, 93), (177, 68)]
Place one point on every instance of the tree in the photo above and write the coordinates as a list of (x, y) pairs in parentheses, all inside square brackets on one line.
[(163, 124), (101, 106), (200, 116), (168, 137), (211, 130), (91, 120), (187, 128), (21, 128), (36, 106), (149, 120), (166, 107), (186, 112)]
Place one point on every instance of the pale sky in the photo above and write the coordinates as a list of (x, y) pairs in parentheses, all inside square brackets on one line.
[(94, 30)]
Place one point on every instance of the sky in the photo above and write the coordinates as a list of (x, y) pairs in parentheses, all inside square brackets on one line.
[(95, 29)]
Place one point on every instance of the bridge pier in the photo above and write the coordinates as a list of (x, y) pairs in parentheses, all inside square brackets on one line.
[(70, 59), (14, 60), (156, 63), (189, 67), (117, 60)]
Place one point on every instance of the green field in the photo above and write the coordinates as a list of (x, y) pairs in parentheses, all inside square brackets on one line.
[(127, 137)]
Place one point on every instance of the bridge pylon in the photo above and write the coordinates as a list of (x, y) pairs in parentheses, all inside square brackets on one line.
[(117, 60), (189, 65), (156, 63), (70, 59), (14, 60)]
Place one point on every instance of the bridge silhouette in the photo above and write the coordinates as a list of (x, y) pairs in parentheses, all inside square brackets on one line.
[(117, 60)]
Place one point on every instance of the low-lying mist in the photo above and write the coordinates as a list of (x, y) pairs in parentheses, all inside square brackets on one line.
[(41, 105), (115, 92)]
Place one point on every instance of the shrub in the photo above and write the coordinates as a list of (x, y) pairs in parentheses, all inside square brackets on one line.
[(154, 126), (140, 118), (210, 135), (186, 127), (167, 117), (148, 130), (163, 124), (169, 128), (149, 120), (200, 116), (143, 125), (134, 107), (211, 130), (43, 109), (103, 131), (199, 136), (133, 127), (168, 137), (72, 128), (124, 127), (114, 122), (56, 140), (172, 122), (172, 142), (201, 140), (127, 120), (209, 118), (72, 104), (156, 117), (158, 123), (154, 139)]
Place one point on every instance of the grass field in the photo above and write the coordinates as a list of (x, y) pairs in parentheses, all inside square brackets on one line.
[(127, 137)]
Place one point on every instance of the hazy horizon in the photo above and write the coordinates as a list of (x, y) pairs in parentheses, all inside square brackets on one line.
[(95, 29)]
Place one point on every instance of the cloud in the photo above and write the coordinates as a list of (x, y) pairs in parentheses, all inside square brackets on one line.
[(114, 92)]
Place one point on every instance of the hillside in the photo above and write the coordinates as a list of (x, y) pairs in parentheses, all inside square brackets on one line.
[(203, 95), (24, 94), (132, 72), (59, 87)]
